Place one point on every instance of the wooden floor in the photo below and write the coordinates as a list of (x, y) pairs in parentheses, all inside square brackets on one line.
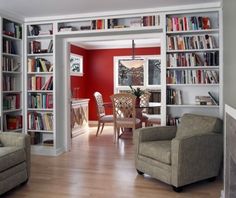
[(95, 167)]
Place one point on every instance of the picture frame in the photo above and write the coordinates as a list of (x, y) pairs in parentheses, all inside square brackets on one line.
[(76, 65), (131, 72)]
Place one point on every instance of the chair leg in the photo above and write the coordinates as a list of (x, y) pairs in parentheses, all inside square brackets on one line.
[(140, 172), (177, 189), (114, 134), (102, 128), (118, 133), (99, 123)]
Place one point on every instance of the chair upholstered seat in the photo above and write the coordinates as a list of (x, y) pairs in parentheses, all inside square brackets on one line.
[(101, 114), (158, 150), (106, 118)]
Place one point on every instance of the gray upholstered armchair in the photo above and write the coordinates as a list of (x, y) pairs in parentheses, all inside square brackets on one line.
[(181, 155), (14, 160)]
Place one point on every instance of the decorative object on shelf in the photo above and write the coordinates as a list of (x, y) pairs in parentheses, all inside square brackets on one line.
[(76, 65), (137, 92), (34, 30)]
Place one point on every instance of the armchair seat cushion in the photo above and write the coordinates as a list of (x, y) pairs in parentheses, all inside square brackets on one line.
[(158, 150), (11, 156)]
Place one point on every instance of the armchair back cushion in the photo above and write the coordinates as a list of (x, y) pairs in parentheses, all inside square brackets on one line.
[(192, 124)]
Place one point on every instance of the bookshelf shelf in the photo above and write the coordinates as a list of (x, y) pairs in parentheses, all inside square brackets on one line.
[(40, 131), (195, 67), (193, 64), (193, 106), (40, 73), (193, 50), (14, 130), (40, 37), (40, 54), (190, 85), (11, 110), (12, 55), (12, 72), (39, 109), (11, 38), (194, 31), (12, 91), (40, 91)]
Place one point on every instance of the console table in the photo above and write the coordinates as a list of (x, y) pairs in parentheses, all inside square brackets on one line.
[(79, 116)]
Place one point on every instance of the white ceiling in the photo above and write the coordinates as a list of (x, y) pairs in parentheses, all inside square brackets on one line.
[(153, 42), (41, 8)]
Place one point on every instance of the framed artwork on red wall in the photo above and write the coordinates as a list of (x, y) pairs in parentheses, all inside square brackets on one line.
[(76, 65)]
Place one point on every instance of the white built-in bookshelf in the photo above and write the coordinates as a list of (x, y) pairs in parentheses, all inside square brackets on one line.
[(190, 66), (40, 90), (193, 64), (11, 76), (129, 22)]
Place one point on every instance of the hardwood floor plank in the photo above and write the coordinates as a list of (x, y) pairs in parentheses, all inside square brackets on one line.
[(98, 168)]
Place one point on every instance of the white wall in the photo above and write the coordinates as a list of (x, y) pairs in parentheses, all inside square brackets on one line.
[(229, 35)]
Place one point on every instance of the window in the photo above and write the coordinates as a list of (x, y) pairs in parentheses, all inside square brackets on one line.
[(143, 72)]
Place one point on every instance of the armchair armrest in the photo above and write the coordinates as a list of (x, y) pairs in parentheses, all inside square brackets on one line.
[(155, 133), (196, 157), (19, 140), (13, 139)]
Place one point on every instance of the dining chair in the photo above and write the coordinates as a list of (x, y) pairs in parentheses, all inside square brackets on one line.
[(101, 114), (124, 113), (148, 119)]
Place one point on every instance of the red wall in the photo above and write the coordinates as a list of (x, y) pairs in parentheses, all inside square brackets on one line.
[(80, 81), (98, 69)]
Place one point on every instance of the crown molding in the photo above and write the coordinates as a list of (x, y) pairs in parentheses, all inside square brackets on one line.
[(126, 12), (12, 16)]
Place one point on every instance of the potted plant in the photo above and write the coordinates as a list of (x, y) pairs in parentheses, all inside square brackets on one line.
[(137, 92)]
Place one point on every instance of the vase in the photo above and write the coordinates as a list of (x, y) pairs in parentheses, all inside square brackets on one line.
[(137, 102)]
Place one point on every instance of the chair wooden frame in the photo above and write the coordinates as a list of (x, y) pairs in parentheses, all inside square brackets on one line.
[(124, 113), (102, 117), (147, 118)]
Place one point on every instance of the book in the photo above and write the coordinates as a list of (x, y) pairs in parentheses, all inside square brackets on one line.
[(43, 65), (215, 101), (50, 47), (203, 100)]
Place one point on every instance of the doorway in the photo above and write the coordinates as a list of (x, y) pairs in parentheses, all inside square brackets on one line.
[(85, 41)]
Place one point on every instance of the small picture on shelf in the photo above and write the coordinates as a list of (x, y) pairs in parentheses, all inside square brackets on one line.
[(76, 65), (203, 100)]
